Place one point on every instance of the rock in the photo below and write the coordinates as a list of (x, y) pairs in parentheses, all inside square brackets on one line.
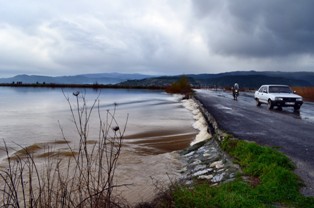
[(218, 178), (232, 175), (184, 169), (196, 162), (188, 182), (189, 154), (218, 164), (202, 172), (199, 167), (205, 177), (220, 170), (206, 160), (206, 155)]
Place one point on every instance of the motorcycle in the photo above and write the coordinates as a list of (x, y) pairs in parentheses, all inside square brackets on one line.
[(235, 94)]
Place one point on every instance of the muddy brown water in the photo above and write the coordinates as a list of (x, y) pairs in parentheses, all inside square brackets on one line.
[(157, 126)]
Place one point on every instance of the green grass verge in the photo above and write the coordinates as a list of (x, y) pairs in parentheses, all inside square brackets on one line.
[(267, 181)]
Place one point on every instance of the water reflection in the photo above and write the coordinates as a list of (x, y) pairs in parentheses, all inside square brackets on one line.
[(288, 111)]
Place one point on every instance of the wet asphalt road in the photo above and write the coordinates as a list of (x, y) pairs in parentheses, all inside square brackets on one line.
[(292, 132)]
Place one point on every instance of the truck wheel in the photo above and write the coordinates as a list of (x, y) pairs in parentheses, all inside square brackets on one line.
[(296, 108), (270, 105)]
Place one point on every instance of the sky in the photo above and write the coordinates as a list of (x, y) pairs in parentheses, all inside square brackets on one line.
[(157, 37)]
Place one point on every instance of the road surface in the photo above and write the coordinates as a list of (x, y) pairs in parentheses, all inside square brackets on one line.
[(292, 132)]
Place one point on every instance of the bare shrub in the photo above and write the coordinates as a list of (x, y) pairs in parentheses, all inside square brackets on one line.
[(81, 178), (181, 86), (306, 92)]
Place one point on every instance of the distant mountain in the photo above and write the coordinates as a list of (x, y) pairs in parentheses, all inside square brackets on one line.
[(308, 77), (118, 76), (247, 79), (101, 78), (252, 81)]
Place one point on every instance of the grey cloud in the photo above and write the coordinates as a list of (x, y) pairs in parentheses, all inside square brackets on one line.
[(116, 46), (204, 8), (262, 28), (158, 37)]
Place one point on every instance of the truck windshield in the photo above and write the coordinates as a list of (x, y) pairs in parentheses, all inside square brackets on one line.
[(279, 89)]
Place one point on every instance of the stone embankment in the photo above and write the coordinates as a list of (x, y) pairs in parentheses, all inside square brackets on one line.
[(205, 160)]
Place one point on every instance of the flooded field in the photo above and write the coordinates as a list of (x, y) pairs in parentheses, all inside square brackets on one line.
[(156, 125)]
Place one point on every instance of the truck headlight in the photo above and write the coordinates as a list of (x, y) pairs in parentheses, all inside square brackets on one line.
[(299, 99), (278, 98)]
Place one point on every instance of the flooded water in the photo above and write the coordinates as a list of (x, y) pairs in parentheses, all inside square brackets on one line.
[(157, 124), (31, 115)]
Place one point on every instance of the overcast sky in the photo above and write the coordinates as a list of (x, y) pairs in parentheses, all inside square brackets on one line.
[(68, 37)]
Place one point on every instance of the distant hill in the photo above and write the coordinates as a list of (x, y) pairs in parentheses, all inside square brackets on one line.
[(119, 76), (247, 79), (155, 81), (101, 78)]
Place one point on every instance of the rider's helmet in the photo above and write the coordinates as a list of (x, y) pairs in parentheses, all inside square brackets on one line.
[(236, 86)]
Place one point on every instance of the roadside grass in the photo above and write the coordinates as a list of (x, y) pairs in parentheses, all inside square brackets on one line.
[(306, 92), (267, 181)]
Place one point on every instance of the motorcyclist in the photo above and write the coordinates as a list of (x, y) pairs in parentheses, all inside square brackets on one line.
[(235, 90)]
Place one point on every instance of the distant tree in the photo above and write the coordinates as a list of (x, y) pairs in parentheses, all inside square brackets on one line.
[(181, 86)]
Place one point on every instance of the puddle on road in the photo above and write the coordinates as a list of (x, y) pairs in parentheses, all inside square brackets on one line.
[(228, 110)]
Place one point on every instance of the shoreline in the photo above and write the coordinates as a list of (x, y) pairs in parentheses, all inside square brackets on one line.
[(92, 86), (204, 159)]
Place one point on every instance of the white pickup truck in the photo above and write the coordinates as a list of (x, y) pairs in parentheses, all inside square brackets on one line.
[(278, 95)]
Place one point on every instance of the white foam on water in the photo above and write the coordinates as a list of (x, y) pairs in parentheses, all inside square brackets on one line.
[(200, 122)]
